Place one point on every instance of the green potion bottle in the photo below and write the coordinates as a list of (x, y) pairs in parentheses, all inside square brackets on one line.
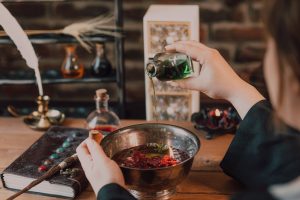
[(170, 66)]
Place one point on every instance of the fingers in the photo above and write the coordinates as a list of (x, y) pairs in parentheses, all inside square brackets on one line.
[(193, 49), (189, 43), (96, 151), (88, 151), (84, 155), (193, 43)]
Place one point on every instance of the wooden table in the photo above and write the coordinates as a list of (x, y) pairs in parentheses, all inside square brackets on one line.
[(206, 181)]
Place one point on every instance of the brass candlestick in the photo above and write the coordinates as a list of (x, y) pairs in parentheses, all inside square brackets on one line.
[(44, 117)]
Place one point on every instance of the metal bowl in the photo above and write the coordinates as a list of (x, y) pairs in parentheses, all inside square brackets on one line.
[(158, 183)]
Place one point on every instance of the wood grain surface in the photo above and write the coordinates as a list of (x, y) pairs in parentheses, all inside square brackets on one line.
[(206, 181)]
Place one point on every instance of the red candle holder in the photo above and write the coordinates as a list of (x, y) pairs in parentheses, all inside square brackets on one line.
[(216, 121)]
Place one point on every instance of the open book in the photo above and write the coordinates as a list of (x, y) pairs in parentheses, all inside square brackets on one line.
[(54, 146)]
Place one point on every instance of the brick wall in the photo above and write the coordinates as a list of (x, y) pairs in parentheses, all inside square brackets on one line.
[(231, 26)]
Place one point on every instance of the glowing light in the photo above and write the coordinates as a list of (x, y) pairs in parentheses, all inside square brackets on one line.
[(217, 113)]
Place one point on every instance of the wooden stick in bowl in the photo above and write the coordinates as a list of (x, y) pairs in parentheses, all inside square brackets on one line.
[(95, 135)]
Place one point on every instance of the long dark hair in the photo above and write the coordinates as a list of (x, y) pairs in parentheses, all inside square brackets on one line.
[(282, 22)]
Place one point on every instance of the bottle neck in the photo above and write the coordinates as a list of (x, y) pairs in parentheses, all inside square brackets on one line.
[(151, 69), (101, 105), (100, 51)]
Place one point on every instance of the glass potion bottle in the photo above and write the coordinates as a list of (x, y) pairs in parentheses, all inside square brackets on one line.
[(101, 66), (170, 66), (102, 119), (71, 68)]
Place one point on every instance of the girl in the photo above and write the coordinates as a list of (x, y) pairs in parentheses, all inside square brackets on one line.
[(264, 155)]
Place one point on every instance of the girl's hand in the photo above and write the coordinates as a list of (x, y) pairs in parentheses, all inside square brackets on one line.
[(98, 168), (216, 79)]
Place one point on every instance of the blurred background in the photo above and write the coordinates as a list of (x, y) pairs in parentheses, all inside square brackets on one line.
[(234, 27)]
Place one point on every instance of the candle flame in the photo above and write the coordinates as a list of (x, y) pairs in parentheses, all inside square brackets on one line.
[(217, 113)]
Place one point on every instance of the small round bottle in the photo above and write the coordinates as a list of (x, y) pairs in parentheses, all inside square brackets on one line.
[(101, 66), (71, 68), (102, 119), (170, 66)]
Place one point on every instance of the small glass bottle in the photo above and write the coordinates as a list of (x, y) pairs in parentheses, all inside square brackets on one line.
[(102, 119), (170, 66), (101, 66), (71, 68)]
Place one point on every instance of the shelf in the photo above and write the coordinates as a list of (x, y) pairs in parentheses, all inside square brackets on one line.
[(18, 77), (26, 77), (109, 79), (58, 38), (76, 109)]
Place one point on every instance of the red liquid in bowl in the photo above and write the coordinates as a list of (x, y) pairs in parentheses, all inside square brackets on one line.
[(148, 157)]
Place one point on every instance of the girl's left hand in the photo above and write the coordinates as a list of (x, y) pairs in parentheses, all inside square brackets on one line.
[(98, 168)]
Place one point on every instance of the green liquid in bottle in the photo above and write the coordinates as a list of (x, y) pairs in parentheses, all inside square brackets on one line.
[(174, 71), (167, 67)]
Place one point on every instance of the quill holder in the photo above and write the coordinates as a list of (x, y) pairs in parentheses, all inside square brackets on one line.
[(43, 118), (40, 119)]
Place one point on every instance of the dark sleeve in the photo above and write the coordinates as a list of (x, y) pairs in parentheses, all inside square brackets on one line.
[(264, 151), (114, 191)]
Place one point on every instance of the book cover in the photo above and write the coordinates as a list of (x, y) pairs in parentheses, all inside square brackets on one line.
[(51, 148)]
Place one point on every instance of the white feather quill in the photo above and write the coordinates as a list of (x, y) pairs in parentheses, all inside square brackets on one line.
[(21, 40)]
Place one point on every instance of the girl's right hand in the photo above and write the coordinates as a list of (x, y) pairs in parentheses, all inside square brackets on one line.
[(216, 79)]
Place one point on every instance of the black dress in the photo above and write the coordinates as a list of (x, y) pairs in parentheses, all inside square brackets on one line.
[(264, 156)]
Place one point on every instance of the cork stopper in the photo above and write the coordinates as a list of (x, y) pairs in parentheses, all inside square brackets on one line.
[(102, 94), (100, 49)]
